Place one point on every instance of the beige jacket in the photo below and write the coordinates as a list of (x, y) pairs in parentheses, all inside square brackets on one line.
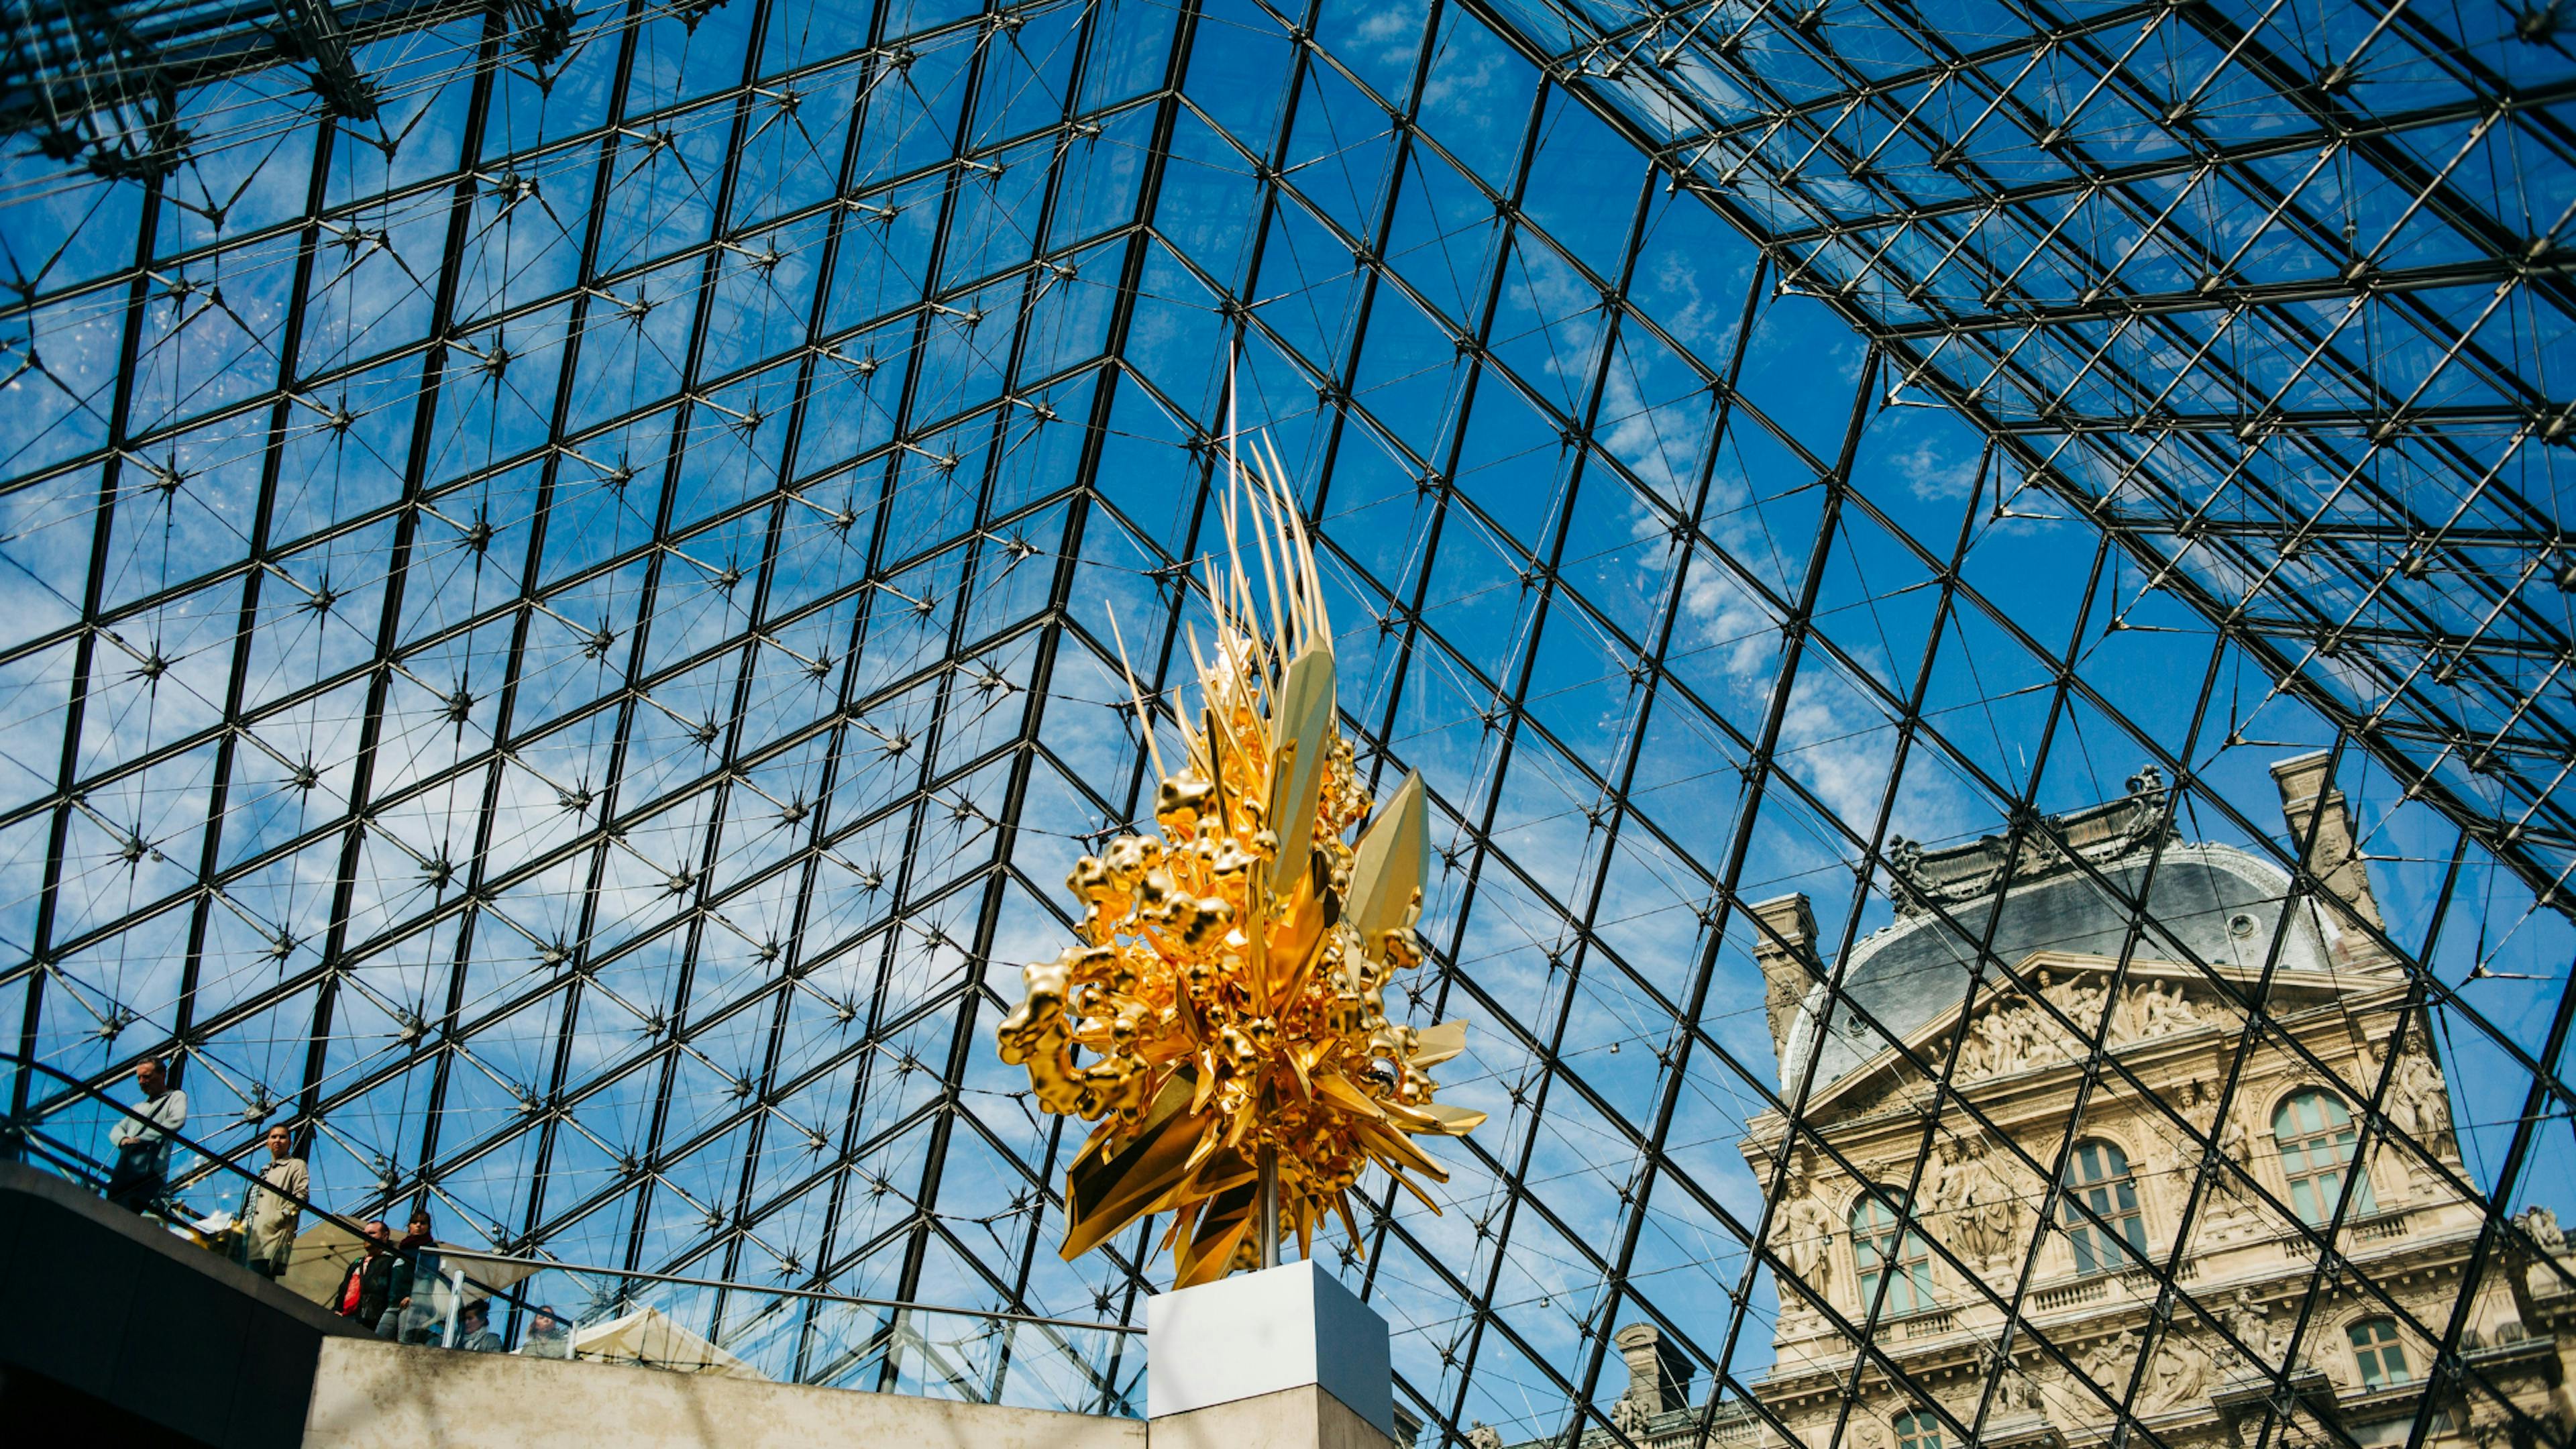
[(272, 1217)]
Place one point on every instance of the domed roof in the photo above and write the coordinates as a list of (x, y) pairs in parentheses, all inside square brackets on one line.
[(2206, 903)]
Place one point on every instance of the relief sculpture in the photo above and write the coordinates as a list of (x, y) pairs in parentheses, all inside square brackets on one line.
[(2181, 1374), (1979, 1204), (2259, 1343), (2012, 1035), (2108, 1362)]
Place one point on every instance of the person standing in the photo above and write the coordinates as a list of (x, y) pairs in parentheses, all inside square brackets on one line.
[(142, 1140), (368, 1285), (276, 1205), (413, 1295)]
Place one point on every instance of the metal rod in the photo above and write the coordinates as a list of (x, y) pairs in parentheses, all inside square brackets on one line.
[(687, 1281), (1269, 1206)]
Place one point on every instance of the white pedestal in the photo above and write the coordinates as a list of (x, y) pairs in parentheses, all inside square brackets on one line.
[(1259, 1333)]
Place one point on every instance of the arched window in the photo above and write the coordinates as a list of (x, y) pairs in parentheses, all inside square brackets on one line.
[(1917, 1429), (2375, 1351), (2318, 1140), (2114, 1235), (1883, 1249)]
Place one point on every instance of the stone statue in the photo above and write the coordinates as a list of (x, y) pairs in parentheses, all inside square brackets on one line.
[(2109, 1361), (1481, 1435), (2015, 1392), (1944, 1195), (2231, 1197), (1973, 1058), (1985, 1212), (2081, 999), (2018, 1393), (2182, 1009), (2542, 1225), (2021, 1028), (2251, 1323), (1977, 1047), (2237, 1142), (1934, 1179), (1628, 1416), (2419, 1102), (1904, 867), (2148, 1008), (2158, 1007), (2181, 1372), (1806, 1234)]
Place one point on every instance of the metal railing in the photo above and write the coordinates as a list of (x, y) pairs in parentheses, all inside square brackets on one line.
[(31, 1136), (466, 1299), (802, 1335)]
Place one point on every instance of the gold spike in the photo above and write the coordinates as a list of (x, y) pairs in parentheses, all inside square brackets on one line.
[(1136, 696), (1301, 614), (1217, 1170), (1240, 610), (1454, 1121), (1342, 1205), (1337, 1089), (1409, 1185), (1387, 868), (1270, 573), (1301, 724), (1305, 545), (1393, 1148), (1221, 1228)]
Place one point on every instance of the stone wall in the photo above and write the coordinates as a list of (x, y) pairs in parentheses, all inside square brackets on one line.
[(374, 1395)]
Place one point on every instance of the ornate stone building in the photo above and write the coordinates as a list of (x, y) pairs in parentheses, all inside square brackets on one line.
[(1974, 1226)]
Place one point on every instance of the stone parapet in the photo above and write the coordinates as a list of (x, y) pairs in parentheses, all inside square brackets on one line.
[(370, 1394)]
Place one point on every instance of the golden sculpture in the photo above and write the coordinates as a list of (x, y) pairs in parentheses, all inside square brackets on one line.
[(1227, 998)]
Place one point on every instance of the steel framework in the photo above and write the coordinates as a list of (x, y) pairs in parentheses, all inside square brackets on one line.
[(559, 564)]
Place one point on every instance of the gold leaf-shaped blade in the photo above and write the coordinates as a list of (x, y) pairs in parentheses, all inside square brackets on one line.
[(1335, 1088), (1208, 1253), (1454, 1121), (1393, 1148), (1300, 741), (1411, 1119), (1388, 867), (1436, 1044), (1105, 1191), (1224, 1170), (1436, 1117), (1296, 940)]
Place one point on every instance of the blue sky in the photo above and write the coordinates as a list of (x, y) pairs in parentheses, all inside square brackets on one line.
[(786, 537)]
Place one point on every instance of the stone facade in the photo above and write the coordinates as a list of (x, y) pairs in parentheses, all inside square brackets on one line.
[(1905, 1196)]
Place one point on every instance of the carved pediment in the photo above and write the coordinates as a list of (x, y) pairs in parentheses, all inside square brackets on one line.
[(2007, 1033)]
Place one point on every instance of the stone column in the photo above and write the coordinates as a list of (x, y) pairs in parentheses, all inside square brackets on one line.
[(1786, 952), (1659, 1375), (1286, 1358), (2333, 858)]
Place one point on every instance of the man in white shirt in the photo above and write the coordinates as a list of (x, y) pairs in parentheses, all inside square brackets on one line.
[(142, 1139), (273, 1212)]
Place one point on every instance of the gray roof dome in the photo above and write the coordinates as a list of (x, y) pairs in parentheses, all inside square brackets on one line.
[(2208, 903)]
